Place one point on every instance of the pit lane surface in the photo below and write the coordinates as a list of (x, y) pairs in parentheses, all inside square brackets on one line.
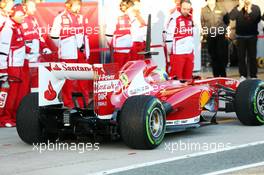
[(238, 145)]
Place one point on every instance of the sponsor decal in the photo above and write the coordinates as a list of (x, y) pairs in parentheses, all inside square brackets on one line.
[(24, 25), (102, 96), (139, 85), (184, 121), (108, 86), (50, 94), (72, 67), (103, 103), (106, 77), (56, 67), (3, 97), (230, 82), (166, 92), (30, 32), (139, 90), (182, 24), (204, 98), (20, 39)]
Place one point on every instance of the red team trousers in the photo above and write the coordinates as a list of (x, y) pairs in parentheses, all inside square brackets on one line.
[(15, 95), (136, 48), (182, 66), (122, 58)]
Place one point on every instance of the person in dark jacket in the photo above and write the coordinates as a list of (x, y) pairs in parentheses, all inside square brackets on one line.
[(214, 20), (247, 17)]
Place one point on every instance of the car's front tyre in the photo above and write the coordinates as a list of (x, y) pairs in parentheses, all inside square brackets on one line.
[(249, 102)]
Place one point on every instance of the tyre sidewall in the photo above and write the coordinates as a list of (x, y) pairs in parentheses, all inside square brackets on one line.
[(246, 102), (29, 127), (256, 111), (151, 105)]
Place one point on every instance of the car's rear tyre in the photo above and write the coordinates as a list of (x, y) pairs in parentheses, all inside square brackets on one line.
[(29, 127), (249, 102), (142, 122)]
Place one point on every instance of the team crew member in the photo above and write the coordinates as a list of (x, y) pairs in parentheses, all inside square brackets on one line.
[(129, 32), (177, 7), (68, 34), (138, 31), (180, 31), (33, 40), (247, 17), (12, 56), (121, 37), (168, 43), (214, 20)]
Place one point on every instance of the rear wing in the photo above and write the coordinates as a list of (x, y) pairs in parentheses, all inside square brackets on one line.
[(52, 79)]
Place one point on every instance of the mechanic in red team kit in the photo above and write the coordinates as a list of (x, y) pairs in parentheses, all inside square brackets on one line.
[(68, 35), (119, 36), (129, 32), (138, 31), (33, 40), (12, 56), (179, 32)]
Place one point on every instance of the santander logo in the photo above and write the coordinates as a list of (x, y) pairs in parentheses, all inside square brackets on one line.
[(56, 67), (50, 94), (72, 67)]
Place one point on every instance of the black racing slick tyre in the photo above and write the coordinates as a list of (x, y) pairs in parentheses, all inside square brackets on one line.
[(249, 102), (142, 122), (29, 127)]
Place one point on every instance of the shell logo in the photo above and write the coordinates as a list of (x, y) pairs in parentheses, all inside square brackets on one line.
[(204, 98)]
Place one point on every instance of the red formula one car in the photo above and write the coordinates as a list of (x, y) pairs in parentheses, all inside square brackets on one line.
[(138, 103)]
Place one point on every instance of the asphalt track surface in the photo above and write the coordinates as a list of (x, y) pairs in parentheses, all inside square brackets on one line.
[(203, 150), (226, 148)]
